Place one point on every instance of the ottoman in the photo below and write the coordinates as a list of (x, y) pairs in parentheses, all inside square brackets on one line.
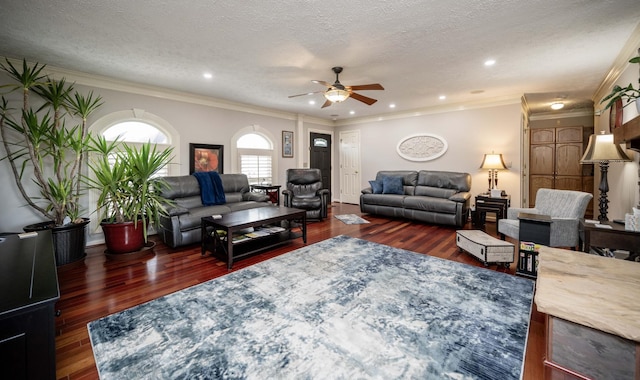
[(484, 247)]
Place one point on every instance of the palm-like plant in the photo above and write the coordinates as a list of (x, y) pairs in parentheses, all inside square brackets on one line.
[(628, 93), (125, 178), (40, 147)]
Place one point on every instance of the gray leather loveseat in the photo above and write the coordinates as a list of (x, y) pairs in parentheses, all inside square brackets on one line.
[(182, 226), (428, 196)]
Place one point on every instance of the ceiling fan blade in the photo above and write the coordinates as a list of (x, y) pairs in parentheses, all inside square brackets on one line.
[(363, 99), (327, 104), (322, 83), (307, 93), (373, 86)]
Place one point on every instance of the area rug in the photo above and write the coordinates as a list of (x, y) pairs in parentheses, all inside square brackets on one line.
[(343, 308), (351, 219)]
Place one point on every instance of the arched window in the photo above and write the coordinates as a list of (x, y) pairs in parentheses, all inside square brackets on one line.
[(134, 127), (255, 157)]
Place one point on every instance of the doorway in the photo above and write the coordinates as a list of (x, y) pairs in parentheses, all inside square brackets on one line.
[(350, 185), (320, 156)]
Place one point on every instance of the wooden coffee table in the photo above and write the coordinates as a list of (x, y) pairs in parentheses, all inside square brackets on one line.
[(216, 232)]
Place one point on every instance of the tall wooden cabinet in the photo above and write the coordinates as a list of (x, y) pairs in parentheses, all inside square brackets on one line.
[(554, 161)]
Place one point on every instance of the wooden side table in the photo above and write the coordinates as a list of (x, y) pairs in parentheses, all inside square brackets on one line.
[(273, 191), (485, 203), (613, 237)]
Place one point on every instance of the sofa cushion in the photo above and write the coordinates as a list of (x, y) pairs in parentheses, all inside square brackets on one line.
[(376, 187), (391, 200), (194, 218), (392, 185), (436, 192), (430, 204), (449, 180)]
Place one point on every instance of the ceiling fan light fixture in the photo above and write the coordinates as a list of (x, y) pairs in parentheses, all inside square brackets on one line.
[(336, 95)]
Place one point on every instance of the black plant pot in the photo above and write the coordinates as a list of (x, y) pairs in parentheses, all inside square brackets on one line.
[(69, 241)]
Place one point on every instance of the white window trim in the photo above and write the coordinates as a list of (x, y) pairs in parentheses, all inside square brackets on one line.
[(235, 157)]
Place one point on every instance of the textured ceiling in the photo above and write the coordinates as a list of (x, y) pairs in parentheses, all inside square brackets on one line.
[(259, 52)]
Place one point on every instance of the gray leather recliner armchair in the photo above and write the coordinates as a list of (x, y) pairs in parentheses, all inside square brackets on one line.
[(304, 191)]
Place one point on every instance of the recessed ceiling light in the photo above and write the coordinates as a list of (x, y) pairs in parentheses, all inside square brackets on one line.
[(312, 102), (207, 75), (557, 106), (442, 97), (352, 112), (392, 105), (490, 62)]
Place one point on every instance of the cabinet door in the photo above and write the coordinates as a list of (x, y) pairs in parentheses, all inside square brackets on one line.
[(568, 183), (542, 159), (536, 182), (569, 134), (542, 136), (568, 159)]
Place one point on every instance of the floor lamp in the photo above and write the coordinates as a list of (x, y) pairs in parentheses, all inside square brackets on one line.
[(602, 150)]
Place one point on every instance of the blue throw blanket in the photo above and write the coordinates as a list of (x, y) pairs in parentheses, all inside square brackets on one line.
[(211, 190)]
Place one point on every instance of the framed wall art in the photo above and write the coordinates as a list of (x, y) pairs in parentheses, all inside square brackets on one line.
[(205, 158), (422, 147), (287, 144)]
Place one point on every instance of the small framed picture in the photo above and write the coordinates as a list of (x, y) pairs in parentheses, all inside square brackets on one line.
[(205, 158), (287, 144)]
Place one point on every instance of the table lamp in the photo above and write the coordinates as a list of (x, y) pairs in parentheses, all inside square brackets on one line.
[(602, 150), (493, 162)]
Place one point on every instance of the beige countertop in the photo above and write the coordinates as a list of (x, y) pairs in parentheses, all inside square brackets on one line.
[(599, 292)]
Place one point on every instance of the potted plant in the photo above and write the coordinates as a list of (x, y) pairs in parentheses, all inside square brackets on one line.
[(45, 149), (627, 94), (129, 200)]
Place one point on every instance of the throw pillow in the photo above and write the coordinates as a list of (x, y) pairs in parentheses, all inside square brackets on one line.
[(392, 185), (376, 187)]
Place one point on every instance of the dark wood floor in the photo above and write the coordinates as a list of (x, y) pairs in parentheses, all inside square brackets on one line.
[(99, 286)]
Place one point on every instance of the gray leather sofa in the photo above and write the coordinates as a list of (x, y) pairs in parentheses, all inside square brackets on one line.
[(182, 226), (437, 197)]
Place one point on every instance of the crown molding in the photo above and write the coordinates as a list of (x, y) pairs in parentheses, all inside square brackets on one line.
[(620, 64), (565, 115), (108, 83), (493, 102)]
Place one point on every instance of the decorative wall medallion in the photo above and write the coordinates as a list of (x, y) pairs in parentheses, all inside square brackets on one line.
[(422, 147)]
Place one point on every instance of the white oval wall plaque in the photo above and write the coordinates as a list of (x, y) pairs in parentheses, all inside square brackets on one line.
[(422, 147)]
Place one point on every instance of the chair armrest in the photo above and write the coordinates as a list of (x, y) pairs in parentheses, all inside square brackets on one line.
[(324, 196), (287, 195), (462, 196), (564, 232), (512, 212)]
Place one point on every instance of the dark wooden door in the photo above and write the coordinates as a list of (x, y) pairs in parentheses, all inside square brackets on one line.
[(320, 157)]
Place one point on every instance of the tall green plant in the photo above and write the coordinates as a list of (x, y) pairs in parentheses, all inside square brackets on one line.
[(628, 93), (40, 147), (125, 178)]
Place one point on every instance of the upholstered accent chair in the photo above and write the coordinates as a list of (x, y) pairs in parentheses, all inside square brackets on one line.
[(565, 207), (304, 191)]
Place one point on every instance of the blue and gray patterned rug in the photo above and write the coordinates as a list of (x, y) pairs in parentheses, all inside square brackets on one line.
[(343, 308), (351, 219)]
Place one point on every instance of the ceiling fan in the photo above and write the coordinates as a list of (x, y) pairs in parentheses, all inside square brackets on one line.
[(337, 92)]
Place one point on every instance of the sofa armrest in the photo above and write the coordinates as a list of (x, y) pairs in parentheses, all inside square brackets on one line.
[(462, 196), (512, 212), (367, 190), (257, 197), (176, 211)]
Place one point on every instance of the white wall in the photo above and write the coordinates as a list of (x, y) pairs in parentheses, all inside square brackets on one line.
[(622, 176), (469, 135)]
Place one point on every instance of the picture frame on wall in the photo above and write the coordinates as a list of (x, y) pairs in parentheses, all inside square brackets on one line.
[(205, 158), (287, 144)]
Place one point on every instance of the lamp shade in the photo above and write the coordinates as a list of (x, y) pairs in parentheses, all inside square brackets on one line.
[(336, 95), (493, 162), (602, 148)]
